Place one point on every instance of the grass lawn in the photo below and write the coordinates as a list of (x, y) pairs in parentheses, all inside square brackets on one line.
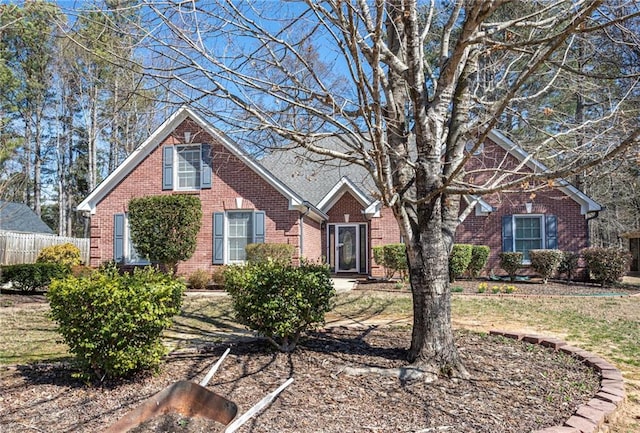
[(607, 326)]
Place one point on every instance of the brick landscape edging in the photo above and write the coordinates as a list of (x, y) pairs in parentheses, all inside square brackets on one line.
[(593, 416)]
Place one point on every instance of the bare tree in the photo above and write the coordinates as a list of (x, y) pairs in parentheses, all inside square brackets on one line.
[(406, 86)]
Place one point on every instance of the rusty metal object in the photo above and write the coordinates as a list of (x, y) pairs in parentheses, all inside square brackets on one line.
[(184, 397)]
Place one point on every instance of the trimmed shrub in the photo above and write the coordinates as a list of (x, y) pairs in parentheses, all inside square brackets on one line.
[(393, 258), (199, 279), (459, 260), (511, 262), (568, 264), (164, 228), (112, 323), (30, 277), (64, 254), (280, 301), (281, 253), (479, 258), (217, 276), (606, 265), (545, 262)]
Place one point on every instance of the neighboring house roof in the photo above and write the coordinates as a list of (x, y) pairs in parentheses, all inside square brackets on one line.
[(18, 217), (141, 152)]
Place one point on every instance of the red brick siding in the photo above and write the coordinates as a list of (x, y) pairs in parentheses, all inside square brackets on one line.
[(312, 240), (384, 230), (347, 204), (231, 178), (487, 230)]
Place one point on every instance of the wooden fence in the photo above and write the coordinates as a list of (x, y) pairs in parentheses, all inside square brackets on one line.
[(17, 248)]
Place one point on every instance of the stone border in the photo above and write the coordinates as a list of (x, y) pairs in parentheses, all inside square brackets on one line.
[(593, 416)]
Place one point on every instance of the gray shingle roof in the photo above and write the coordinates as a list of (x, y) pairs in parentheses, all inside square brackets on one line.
[(17, 217), (313, 176)]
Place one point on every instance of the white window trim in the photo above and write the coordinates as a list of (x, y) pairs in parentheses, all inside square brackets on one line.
[(543, 231), (227, 245), (176, 179), (127, 244)]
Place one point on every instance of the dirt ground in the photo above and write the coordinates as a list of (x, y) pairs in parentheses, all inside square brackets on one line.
[(514, 387)]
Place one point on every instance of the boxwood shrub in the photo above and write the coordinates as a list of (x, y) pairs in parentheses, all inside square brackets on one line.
[(479, 258), (30, 277), (568, 264), (278, 300), (511, 262), (545, 262), (112, 323), (606, 265), (459, 260), (392, 258), (276, 252)]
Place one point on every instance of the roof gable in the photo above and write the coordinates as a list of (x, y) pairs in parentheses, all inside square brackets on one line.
[(160, 134), (587, 204)]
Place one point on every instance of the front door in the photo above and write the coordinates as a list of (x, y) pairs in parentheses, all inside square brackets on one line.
[(347, 248)]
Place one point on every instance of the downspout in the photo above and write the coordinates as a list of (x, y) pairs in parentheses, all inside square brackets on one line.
[(595, 214)]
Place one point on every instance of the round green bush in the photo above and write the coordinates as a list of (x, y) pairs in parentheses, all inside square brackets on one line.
[(606, 265), (545, 262), (112, 323), (511, 262), (280, 301)]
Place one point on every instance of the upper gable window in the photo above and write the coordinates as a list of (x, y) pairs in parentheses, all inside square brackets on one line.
[(186, 167)]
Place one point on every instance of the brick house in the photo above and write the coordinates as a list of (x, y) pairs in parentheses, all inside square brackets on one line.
[(327, 211)]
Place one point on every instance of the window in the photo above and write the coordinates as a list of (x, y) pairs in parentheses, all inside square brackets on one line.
[(123, 249), (529, 232), (232, 231), (186, 167), (240, 233)]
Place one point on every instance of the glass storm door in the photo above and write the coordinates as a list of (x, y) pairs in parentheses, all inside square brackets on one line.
[(347, 248)]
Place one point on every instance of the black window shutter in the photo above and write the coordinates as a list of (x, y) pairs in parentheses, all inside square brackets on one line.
[(507, 233), (205, 172), (218, 238), (551, 232), (118, 237), (167, 167)]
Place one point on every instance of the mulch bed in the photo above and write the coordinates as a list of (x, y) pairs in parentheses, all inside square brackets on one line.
[(515, 387)]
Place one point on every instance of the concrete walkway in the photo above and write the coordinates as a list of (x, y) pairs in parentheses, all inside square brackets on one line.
[(343, 284)]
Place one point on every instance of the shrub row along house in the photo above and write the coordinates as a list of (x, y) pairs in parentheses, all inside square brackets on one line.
[(325, 209)]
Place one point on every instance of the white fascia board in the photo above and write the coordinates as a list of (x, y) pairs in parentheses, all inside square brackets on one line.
[(482, 208), (343, 185), (587, 204), (131, 162)]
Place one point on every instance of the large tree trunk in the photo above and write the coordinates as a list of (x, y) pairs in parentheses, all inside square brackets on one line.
[(432, 343)]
